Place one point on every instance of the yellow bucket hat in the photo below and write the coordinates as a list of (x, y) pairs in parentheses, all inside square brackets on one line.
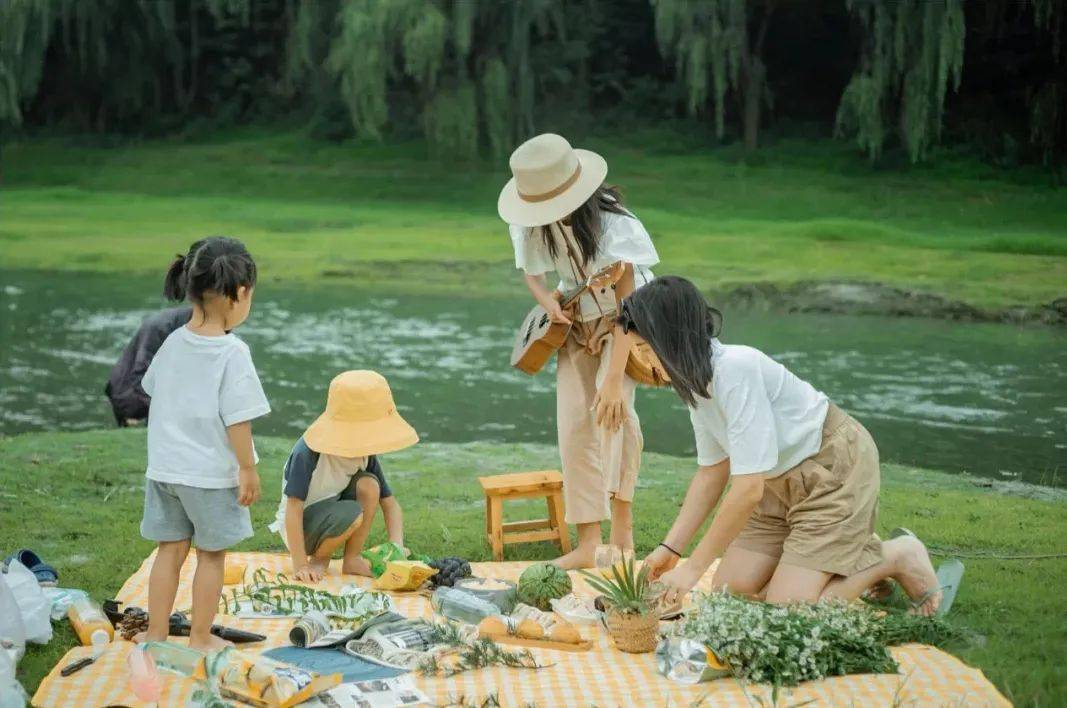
[(360, 419)]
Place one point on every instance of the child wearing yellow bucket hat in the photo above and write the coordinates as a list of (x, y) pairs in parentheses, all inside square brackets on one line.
[(333, 481)]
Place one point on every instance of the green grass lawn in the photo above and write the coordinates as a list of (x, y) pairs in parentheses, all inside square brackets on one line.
[(76, 499), (387, 215)]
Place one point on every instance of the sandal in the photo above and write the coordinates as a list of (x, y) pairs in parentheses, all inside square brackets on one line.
[(46, 575), (949, 577)]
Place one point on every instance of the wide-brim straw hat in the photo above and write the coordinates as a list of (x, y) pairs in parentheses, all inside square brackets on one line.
[(360, 419), (550, 179)]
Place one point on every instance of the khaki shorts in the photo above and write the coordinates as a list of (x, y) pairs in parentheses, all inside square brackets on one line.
[(821, 514)]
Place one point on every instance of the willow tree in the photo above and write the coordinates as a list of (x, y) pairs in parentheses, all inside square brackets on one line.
[(717, 49), (25, 27), (109, 58), (1048, 113), (912, 55), (380, 53)]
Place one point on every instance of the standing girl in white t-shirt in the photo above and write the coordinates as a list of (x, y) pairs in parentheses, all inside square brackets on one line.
[(201, 475), (564, 219), (798, 520)]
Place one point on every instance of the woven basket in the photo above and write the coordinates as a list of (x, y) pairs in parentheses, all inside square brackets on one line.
[(636, 634)]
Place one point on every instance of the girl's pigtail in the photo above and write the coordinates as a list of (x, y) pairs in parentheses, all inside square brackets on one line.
[(174, 286), (225, 277)]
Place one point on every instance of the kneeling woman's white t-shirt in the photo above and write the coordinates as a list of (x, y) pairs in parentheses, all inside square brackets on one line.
[(760, 415)]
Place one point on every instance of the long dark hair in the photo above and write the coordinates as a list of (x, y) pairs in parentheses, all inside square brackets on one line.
[(677, 322), (215, 264), (585, 221)]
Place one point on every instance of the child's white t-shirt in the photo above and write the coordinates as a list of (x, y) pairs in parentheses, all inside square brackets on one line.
[(760, 415), (199, 385)]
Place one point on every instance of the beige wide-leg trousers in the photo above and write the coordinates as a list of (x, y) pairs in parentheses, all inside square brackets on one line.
[(597, 464)]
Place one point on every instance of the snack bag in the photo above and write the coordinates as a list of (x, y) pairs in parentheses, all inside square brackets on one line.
[(259, 681), (688, 661), (380, 555), (403, 575)]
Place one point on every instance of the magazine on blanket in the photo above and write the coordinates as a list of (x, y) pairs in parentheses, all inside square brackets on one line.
[(377, 693), (404, 644), (315, 630)]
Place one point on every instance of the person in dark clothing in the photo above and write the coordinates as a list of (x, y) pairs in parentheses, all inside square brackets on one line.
[(129, 402)]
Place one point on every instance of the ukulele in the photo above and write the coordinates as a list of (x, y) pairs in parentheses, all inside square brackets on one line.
[(539, 337)]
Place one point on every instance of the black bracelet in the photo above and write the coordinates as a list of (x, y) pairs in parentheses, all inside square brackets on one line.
[(671, 550)]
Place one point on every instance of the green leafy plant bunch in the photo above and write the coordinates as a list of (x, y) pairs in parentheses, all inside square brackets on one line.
[(279, 596), (628, 591)]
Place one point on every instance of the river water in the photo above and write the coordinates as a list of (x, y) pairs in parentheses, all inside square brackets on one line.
[(986, 399)]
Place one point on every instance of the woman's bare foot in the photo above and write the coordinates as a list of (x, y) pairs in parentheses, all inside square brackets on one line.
[(356, 566), (915, 573), (212, 643), (580, 557)]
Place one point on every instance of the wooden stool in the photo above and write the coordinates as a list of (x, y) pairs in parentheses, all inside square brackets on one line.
[(524, 485)]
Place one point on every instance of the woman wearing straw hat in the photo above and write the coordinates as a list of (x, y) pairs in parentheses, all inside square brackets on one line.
[(564, 219), (333, 483)]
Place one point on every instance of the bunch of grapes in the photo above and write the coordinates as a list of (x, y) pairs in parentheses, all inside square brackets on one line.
[(449, 570)]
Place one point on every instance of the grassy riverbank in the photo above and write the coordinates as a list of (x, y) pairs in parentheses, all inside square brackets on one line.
[(76, 498), (387, 216)]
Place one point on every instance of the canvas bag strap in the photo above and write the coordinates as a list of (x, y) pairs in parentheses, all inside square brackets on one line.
[(576, 263)]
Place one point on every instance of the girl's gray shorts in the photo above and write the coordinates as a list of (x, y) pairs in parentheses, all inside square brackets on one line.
[(212, 518)]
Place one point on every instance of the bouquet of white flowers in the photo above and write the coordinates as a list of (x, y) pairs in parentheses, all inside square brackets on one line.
[(786, 644)]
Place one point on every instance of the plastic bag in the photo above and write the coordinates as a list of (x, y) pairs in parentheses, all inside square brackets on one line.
[(12, 630), (12, 695), (33, 605), (381, 554), (61, 599)]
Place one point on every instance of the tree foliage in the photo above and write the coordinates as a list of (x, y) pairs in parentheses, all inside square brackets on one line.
[(1048, 114), (477, 76), (382, 54), (25, 26), (717, 47), (912, 54)]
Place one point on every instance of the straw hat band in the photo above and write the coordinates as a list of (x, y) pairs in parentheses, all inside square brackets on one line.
[(551, 194)]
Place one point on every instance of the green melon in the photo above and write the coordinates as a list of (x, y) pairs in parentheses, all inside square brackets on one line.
[(541, 583)]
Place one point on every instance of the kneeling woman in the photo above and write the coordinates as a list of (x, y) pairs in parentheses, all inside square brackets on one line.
[(797, 523)]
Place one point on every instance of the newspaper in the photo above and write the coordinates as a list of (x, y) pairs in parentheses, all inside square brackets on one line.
[(377, 693), (403, 644), (315, 629)]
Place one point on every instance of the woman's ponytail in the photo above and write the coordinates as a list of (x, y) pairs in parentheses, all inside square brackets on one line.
[(174, 284)]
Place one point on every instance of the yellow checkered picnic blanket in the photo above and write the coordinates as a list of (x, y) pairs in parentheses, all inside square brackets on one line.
[(602, 676)]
